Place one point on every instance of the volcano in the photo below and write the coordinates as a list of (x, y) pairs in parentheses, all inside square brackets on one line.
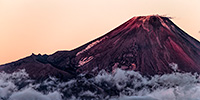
[(147, 44)]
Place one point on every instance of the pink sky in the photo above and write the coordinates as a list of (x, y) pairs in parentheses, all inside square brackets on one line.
[(45, 26)]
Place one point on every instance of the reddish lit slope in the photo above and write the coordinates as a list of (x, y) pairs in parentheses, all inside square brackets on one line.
[(148, 44)]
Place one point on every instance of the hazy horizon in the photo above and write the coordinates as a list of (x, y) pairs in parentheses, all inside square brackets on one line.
[(46, 26)]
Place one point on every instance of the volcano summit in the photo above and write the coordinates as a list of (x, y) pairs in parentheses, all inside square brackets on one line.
[(147, 44)]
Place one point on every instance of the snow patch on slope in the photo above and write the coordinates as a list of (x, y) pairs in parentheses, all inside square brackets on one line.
[(92, 45), (174, 66), (85, 60), (164, 24), (145, 21)]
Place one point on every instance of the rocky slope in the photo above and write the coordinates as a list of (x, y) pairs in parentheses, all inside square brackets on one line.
[(148, 44)]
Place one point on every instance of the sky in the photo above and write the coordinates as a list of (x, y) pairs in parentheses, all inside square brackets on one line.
[(46, 26)]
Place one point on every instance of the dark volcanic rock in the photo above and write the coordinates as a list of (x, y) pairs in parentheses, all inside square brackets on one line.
[(37, 67), (148, 44)]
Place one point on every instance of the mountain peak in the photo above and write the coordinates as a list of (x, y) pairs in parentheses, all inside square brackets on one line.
[(149, 18), (148, 44), (150, 22)]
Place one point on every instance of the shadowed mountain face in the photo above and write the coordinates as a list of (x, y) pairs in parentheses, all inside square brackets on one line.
[(148, 44)]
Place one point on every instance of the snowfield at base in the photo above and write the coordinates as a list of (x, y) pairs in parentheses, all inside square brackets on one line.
[(130, 85)]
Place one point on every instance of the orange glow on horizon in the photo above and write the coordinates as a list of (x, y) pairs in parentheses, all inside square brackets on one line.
[(46, 26)]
